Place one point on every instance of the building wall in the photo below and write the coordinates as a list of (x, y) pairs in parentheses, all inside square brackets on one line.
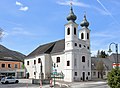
[(12, 70), (12, 63)]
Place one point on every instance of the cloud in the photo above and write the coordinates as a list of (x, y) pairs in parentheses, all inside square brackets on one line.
[(75, 3), (22, 7), (20, 31), (18, 3)]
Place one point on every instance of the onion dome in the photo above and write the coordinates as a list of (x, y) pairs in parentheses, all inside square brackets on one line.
[(84, 23), (71, 16)]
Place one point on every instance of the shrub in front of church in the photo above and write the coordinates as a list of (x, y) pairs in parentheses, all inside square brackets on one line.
[(113, 78)]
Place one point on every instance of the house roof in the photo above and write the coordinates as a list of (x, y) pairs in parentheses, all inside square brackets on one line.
[(106, 62), (50, 48), (113, 57)]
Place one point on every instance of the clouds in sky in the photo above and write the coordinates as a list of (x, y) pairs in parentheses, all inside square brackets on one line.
[(22, 7), (74, 2)]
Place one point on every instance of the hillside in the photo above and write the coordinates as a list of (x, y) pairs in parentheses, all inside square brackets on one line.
[(7, 54)]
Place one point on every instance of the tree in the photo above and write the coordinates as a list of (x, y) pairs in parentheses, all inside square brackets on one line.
[(113, 78), (101, 54), (100, 68)]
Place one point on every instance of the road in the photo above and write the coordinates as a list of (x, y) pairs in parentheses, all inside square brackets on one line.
[(26, 83)]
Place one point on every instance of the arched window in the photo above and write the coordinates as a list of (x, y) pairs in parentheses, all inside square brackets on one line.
[(75, 44), (82, 36), (87, 35), (74, 31), (58, 60), (68, 31), (83, 58)]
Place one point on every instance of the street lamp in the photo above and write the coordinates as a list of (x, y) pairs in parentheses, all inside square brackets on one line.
[(116, 47)]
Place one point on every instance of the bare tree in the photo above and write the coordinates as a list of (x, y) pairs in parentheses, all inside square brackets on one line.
[(100, 67)]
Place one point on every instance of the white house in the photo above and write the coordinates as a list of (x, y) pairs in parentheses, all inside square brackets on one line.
[(71, 55)]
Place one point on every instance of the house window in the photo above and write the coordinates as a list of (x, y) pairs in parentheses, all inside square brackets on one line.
[(34, 73), (75, 44), (82, 36), (68, 31), (87, 35), (88, 73), (16, 66), (75, 73), (9, 65), (68, 63), (39, 60), (94, 73), (27, 62), (3, 65), (34, 61), (58, 60), (83, 58), (74, 31), (104, 73)]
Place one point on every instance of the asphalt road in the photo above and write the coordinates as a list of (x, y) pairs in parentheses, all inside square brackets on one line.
[(26, 83)]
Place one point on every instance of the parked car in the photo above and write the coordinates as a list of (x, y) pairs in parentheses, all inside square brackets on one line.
[(6, 80)]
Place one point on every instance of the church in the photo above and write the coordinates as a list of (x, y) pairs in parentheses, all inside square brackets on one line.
[(70, 56)]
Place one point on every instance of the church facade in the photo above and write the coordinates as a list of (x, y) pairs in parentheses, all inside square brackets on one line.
[(70, 56)]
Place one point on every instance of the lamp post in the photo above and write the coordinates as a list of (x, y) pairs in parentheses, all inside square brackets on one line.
[(116, 49)]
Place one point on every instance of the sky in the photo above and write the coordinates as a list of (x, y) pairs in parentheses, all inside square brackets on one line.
[(27, 24)]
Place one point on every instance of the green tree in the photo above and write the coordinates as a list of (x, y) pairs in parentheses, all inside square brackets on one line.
[(100, 68), (101, 54), (113, 78)]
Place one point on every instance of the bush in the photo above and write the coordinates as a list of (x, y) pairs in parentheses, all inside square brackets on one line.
[(114, 78)]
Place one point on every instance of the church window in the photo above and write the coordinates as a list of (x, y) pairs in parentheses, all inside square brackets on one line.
[(27, 62), (88, 73), (88, 47), (68, 31), (58, 60), (87, 35), (75, 73), (83, 58), (34, 73), (75, 62), (80, 45), (75, 44), (68, 63), (34, 61), (74, 31), (39, 60), (82, 36), (88, 63)]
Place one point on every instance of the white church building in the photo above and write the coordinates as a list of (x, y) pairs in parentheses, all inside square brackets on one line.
[(70, 56)]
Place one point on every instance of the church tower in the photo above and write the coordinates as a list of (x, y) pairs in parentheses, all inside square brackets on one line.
[(71, 32), (71, 39), (84, 33)]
